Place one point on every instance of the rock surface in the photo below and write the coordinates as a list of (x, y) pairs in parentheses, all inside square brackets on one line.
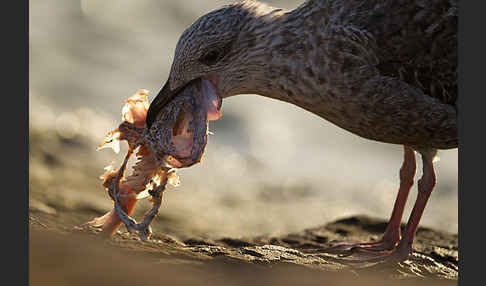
[(267, 259)]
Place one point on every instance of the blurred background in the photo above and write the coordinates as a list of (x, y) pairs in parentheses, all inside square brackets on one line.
[(269, 168)]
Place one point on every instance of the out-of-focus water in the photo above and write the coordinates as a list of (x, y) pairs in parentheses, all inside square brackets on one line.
[(270, 167)]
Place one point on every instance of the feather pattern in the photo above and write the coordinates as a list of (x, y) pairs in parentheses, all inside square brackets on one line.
[(384, 70)]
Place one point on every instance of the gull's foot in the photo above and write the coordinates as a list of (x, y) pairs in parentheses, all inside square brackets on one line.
[(370, 255), (378, 260), (348, 248)]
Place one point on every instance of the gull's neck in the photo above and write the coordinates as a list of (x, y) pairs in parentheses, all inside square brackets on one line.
[(280, 65)]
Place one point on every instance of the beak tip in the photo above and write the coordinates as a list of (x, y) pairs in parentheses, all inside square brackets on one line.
[(162, 98), (150, 117)]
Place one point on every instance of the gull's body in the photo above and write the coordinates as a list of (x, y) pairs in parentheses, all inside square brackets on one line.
[(383, 70)]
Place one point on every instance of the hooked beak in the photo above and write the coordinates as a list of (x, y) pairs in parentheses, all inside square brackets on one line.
[(165, 96)]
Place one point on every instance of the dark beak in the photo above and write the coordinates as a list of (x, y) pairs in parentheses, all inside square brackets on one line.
[(160, 101)]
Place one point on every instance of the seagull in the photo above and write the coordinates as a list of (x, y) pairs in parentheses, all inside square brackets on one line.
[(383, 70)]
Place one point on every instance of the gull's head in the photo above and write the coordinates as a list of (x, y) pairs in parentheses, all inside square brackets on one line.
[(223, 49)]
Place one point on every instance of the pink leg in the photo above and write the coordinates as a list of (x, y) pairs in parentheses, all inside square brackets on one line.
[(392, 233), (426, 185)]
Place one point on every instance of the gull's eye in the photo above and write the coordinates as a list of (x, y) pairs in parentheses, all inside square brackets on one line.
[(210, 58)]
